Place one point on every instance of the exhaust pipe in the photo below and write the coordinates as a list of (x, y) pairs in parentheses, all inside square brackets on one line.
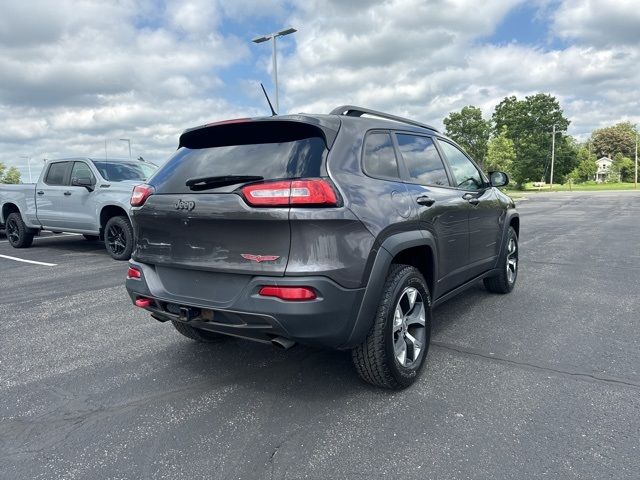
[(282, 343)]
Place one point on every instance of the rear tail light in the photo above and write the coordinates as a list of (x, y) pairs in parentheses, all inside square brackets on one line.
[(295, 294), (140, 194), (308, 192), (133, 273)]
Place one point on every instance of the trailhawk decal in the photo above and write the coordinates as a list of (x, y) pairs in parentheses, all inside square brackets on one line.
[(259, 258)]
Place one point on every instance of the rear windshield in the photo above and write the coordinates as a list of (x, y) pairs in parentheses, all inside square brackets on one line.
[(290, 153), (122, 171)]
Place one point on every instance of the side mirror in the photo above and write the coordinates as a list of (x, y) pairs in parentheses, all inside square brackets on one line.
[(83, 182), (498, 179)]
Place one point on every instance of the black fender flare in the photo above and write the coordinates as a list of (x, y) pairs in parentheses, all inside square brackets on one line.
[(509, 215), (390, 247)]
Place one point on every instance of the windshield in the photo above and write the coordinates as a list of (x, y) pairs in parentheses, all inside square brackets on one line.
[(122, 171)]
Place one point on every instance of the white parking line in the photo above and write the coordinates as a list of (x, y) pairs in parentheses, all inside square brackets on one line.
[(57, 235), (28, 261)]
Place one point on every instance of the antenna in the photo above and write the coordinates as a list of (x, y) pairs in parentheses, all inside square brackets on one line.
[(273, 112)]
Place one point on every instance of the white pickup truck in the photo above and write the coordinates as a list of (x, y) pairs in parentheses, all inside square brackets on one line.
[(78, 195)]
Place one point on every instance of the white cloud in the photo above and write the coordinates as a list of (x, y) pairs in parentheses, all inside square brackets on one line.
[(599, 22), (425, 59)]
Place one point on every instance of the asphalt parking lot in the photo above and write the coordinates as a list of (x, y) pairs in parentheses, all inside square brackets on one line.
[(544, 382)]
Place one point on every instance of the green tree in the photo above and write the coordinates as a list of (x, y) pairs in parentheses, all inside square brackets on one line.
[(501, 153), (11, 176), (625, 166), (586, 168), (470, 130), (619, 138), (529, 125)]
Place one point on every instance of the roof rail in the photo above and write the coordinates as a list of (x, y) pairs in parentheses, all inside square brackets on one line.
[(353, 111)]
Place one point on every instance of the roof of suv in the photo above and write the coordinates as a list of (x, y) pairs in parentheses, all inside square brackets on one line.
[(328, 123)]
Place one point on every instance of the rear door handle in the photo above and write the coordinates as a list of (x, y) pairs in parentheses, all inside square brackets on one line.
[(425, 200), (40, 192), (67, 193)]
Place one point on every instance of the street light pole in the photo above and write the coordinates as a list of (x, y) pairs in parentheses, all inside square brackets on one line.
[(129, 143), (275, 70), (273, 37), (553, 155), (29, 165)]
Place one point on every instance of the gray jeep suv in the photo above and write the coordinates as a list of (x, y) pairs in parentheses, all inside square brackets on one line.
[(340, 230)]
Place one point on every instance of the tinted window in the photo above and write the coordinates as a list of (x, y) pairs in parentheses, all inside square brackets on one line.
[(57, 173), (285, 158), (422, 160), (121, 171), (81, 170), (379, 156), (466, 174)]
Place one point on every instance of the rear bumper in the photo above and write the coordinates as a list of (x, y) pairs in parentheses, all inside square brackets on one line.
[(326, 321)]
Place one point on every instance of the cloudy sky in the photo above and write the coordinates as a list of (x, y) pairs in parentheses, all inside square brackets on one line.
[(75, 73)]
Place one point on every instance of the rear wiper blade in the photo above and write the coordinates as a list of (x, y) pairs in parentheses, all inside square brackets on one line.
[(205, 183)]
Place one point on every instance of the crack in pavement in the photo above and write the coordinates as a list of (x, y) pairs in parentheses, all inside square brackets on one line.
[(590, 377)]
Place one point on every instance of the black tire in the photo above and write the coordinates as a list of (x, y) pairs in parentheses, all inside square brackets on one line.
[(18, 234), (197, 334), (376, 358), (91, 238), (505, 280), (118, 238)]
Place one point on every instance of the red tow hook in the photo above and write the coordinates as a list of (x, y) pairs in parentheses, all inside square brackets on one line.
[(143, 302)]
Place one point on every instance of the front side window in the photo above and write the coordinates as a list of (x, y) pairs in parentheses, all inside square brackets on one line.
[(57, 173), (379, 156), (422, 160), (465, 173), (81, 170)]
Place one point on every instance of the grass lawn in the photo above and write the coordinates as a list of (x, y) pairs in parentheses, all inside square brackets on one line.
[(576, 187)]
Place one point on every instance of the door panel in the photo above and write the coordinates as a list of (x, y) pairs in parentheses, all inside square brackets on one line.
[(448, 221), (50, 195), (484, 231), (78, 209)]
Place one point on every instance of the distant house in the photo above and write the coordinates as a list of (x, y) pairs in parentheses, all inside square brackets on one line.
[(604, 165)]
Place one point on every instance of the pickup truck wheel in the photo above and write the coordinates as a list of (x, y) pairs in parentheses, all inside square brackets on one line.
[(508, 264), (118, 238), (91, 238), (394, 351), (17, 232), (197, 334)]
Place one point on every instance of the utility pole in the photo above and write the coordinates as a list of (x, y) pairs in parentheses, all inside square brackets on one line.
[(636, 177), (553, 155)]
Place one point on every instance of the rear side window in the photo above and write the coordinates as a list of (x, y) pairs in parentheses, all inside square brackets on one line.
[(257, 150), (57, 174), (379, 156), (422, 160)]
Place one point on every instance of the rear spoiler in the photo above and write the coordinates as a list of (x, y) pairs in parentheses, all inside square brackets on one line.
[(244, 131)]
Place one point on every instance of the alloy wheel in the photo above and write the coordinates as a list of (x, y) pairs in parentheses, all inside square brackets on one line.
[(512, 260), (409, 331), (116, 239), (13, 231)]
